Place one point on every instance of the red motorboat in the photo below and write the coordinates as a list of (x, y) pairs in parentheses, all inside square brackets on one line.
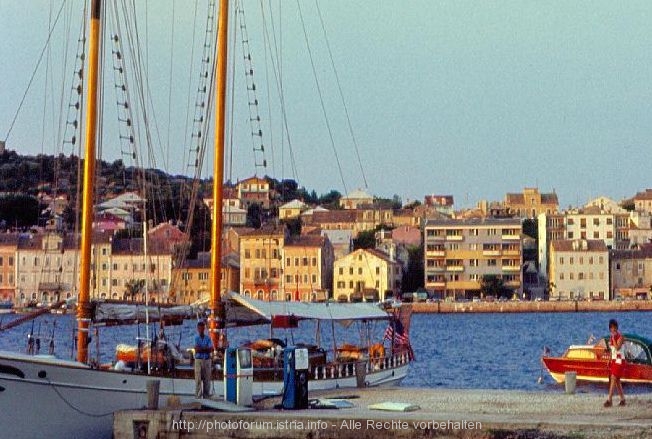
[(591, 361)]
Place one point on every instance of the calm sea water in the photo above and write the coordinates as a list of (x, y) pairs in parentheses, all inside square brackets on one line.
[(477, 351)]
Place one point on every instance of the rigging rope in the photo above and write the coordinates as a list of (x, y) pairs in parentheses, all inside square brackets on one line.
[(38, 63), (321, 98), (339, 88)]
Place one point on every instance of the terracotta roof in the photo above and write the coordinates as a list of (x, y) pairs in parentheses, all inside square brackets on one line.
[(510, 222), (335, 216), (644, 252), (306, 241), (266, 230), (647, 195), (592, 245)]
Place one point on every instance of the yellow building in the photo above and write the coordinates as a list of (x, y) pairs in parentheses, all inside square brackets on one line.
[(531, 203), (192, 281), (308, 270), (131, 269), (8, 247), (261, 262), (459, 253), (366, 274), (291, 210)]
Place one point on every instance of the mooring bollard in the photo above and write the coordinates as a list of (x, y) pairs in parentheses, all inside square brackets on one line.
[(153, 387), (570, 380)]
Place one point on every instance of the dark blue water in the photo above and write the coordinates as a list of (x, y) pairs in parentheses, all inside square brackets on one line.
[(477, 351)]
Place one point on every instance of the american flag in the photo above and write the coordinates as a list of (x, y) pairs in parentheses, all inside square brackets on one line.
[(396, 332)]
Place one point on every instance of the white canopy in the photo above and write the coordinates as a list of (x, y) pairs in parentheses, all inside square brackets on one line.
[(241, 310)]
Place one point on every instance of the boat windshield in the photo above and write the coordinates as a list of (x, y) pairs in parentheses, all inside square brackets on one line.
[(635, 352)]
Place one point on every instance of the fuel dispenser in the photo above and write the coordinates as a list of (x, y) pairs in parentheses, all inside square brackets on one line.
[(238, 376), (295, 378)]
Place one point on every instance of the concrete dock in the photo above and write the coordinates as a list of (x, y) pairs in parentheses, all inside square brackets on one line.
[(442, 413)]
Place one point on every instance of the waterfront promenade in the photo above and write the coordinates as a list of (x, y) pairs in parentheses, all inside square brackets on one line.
[(443, 413), (532, 306)]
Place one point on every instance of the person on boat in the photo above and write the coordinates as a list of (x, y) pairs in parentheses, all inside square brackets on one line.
[(617, 363), (203, 349)]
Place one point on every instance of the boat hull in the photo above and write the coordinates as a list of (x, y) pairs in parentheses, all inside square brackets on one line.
[(69, 399), (595, 370)]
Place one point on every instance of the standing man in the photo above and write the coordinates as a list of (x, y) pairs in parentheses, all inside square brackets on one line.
[(203, 349), (617, 363)]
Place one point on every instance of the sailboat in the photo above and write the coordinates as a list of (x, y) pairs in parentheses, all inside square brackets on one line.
[(75, 398)]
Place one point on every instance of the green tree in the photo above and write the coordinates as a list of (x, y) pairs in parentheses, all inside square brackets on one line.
[(494, 285), (254, 216), (365, 239), (413, 278)]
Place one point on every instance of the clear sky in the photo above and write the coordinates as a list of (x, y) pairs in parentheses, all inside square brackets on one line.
[(469, 98)]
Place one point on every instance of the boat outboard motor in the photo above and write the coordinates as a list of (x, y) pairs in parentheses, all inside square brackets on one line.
[(295, 378)]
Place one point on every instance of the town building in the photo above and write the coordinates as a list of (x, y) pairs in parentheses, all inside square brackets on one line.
[(308, 269), (643, 201), (459, 253), (356, 199), (254, 190), (191, 281), (589, 223), (531, 203), (366, 274), (441, 203), (8, 248), (261, 262), (631, 273), (291, 210), (579, 270)]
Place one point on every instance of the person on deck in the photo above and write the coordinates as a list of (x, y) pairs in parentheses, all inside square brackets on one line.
[(203, 349), (617, 363)]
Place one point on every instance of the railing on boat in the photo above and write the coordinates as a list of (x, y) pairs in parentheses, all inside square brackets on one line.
[(345, 370)]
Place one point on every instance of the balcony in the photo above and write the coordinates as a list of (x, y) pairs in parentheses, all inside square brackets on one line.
[(437, 284), (511, 268), (436, 253), (511, 237), (511, 253), (435, 269), (454, 238), (265, 281), (455, 268), (490, 252)]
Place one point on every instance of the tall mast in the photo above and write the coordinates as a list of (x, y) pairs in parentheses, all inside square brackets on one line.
[(216, 322), (83, 307)]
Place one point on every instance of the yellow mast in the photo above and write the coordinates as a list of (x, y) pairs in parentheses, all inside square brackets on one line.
[(216, 321), (83, 307)]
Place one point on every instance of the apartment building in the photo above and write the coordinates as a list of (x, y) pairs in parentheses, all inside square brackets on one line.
[(459, 253), (366, 274), (589, 223), (579, 269)]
